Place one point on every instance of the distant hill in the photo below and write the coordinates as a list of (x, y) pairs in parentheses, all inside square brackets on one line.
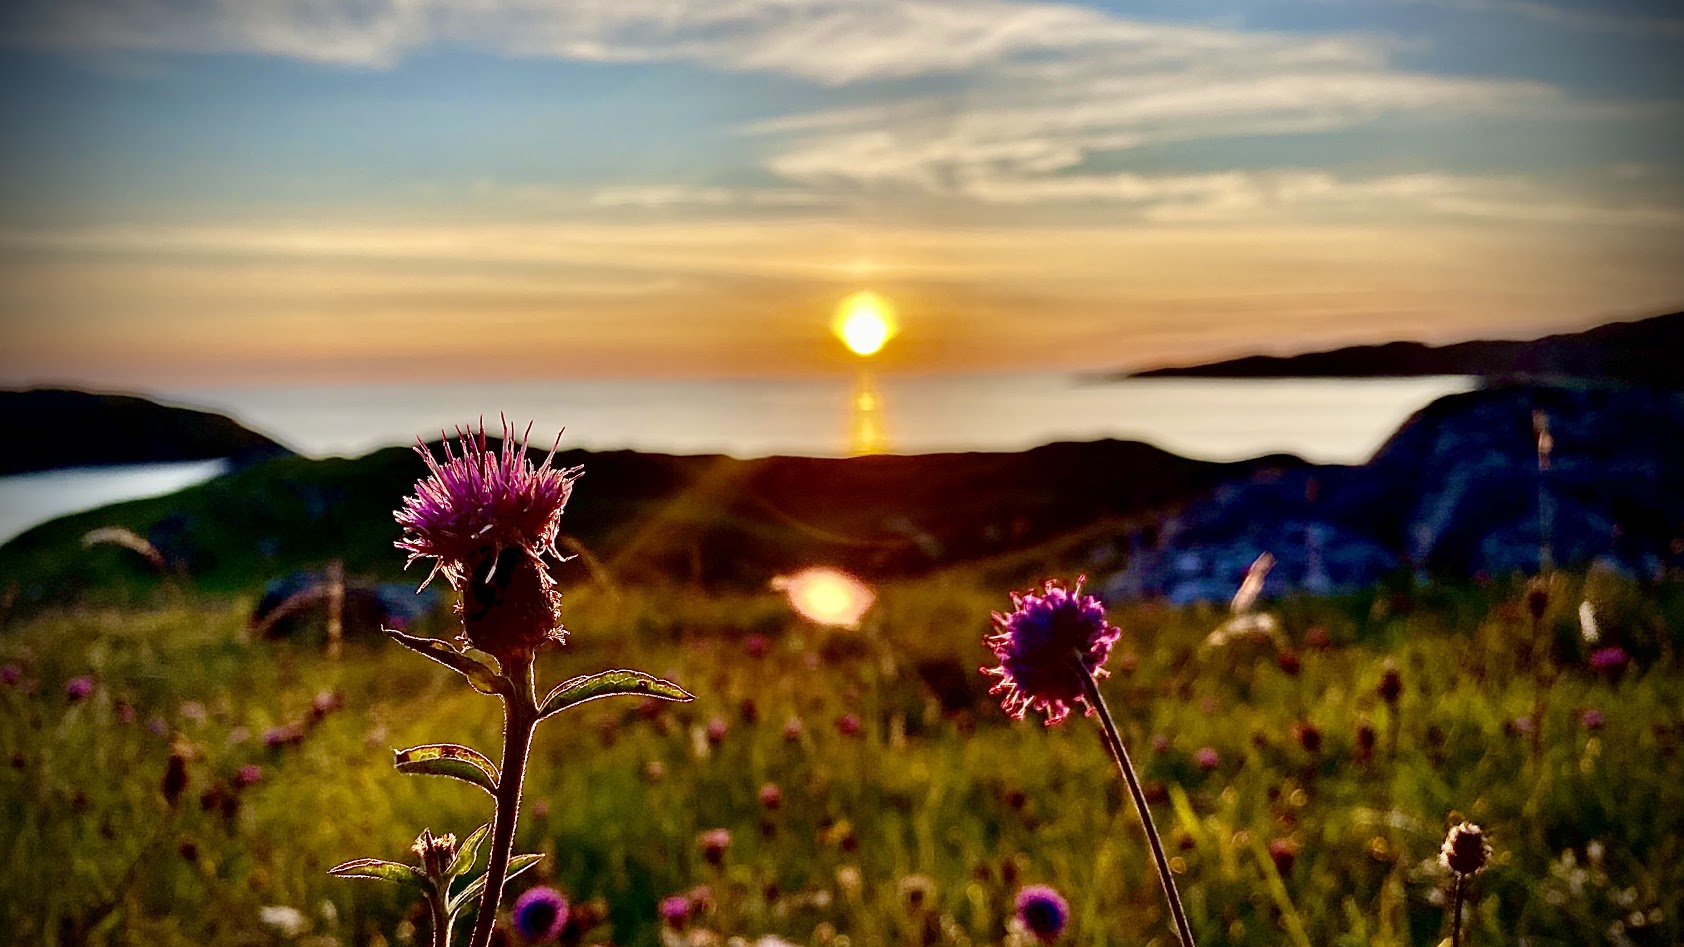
[(710, 520), (50, 428), (1646, 352)]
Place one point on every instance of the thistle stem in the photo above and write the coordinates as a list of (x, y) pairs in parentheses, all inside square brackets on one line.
[(1120, 754), (441, 920), (520, 717), (1456, 915)]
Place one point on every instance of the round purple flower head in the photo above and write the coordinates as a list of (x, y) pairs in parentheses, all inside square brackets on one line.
[(487, 518), (1608, 659), (675, 910), (1039, 644), (79, 688), (1042, 912), (540, 914)]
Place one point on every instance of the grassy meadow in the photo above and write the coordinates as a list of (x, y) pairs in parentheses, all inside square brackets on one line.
[(910, 809)]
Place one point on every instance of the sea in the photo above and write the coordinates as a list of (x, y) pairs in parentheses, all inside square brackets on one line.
[(1322, 420)]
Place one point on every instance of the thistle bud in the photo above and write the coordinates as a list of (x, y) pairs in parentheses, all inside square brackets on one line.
[(1391, 684), (436, 852)]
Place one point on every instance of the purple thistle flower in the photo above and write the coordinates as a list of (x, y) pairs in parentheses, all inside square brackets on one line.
[(79, 688), (792, 729), (1592, 719), (848, 725), (1042, 912), (9, 674), (771, 796), (1039, 644), (675, 910), (1207, 758), (247, 775), (716, 730), (487, 518), (483, 500), (540, 914)]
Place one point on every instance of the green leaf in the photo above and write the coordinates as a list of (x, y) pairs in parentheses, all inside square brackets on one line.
[(466, 896), (468, 852), (479, 674), (381, 870), (449, 759), (585, 687)]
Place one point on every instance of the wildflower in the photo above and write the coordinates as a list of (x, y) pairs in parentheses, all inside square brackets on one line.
[(124, 712), (1390, 687), (1207, 758), (792, 729), (1317, 638), (10, 674), (175, 777), (1537, 598), (1042, 912), (714, 842), (540, 914), (771, 796), (717, 728), (1160, 744), (756, 645), (326, 702), (1587, 623), (284, 735), (1609, 659), (487, 518), (1365, 740), (1045, 645), (1289, 662), (157, 727), (1284, 853), (1592, 719), (655, 771), (675, 911), (916, 891), (288, 921), (1465, 850), (248, 775), (848, 725), (194, 711), (78, 688), (1308, 736)]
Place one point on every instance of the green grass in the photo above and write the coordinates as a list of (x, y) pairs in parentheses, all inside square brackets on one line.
[(1589, 838)]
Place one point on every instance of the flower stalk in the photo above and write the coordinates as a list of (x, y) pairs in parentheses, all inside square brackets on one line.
[(488, 519), (1120, 755), (520, 718)]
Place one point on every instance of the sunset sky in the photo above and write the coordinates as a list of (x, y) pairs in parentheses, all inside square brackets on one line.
[(203, 192)]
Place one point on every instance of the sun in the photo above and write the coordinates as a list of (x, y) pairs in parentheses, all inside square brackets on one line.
[(864, 322)]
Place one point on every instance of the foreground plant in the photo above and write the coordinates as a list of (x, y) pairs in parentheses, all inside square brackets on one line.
[(1465, 852), (489, 520), (1052, 647)]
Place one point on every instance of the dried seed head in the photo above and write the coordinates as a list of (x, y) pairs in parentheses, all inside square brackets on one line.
[(1465, 850)]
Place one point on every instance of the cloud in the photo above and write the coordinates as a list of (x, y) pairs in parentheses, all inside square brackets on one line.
[(1577, 18)]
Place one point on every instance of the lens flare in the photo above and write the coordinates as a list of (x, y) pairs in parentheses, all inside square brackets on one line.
[(826, 596), (864, 322)]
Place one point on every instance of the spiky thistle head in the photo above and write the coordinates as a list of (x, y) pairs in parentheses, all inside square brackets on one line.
[(1044, 646), (487, 518), (474, 506)]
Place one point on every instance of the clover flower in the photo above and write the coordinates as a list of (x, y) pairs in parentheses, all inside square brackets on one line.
[(1042, 912), (713, 843), (487, 518), (1207, 758), (1039, 645), (540, 914)]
